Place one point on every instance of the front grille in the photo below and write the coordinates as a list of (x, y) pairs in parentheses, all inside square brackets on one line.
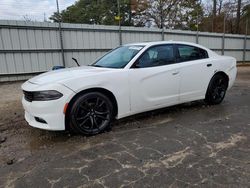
[(28, 96)]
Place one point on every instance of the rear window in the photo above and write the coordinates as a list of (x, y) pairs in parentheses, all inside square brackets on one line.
[(190, 53)]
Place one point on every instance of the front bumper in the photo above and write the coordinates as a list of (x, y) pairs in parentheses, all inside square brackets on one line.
[(49, 111)]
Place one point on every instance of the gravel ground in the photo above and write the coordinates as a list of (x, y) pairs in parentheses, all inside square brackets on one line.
[(186, 145)]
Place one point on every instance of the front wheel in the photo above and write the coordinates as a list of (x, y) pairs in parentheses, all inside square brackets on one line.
[(91, 113), (216, 90)]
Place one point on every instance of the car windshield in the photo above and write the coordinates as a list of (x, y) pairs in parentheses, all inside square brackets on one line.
[(119, 57)]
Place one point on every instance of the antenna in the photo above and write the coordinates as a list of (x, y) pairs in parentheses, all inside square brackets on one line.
[(75, 60)]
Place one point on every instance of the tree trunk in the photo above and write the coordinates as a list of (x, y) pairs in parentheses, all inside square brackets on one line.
[(161, 15), (214, 15), (238, 17), (220, 6)]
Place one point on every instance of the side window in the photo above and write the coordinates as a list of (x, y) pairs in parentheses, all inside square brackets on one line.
[(156, 56), (190, 53)]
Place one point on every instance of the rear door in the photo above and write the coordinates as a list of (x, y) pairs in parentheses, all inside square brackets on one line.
[(154, 79), (196, 70)]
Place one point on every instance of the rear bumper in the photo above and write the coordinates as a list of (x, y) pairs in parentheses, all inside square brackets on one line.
[(232, 76)]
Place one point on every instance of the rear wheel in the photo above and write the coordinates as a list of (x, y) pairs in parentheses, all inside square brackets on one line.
[(217, 89), (91, 113)]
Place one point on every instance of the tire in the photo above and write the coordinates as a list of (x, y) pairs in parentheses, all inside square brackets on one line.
[(216, 90), (91, 113)]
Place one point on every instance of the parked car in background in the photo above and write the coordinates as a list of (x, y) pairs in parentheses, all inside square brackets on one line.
[(130, 79)]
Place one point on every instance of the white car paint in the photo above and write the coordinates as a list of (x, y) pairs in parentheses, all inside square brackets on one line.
[(135, 90), (154, 87)]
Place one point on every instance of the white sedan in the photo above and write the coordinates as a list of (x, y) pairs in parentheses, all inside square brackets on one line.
[(130, 79)]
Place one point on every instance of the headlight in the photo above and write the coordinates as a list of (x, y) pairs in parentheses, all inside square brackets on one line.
[(42, 95), (46, 95)]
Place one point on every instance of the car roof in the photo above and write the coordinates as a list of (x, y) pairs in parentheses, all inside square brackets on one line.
[(164, 42), (148, 44)]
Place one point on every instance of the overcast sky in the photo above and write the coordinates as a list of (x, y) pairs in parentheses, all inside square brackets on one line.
[(33, 9)]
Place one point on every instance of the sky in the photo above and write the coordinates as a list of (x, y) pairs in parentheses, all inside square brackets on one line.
[(36, 10)]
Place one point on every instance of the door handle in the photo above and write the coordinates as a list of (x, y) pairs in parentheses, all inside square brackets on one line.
[(209, 65), (175, 72)]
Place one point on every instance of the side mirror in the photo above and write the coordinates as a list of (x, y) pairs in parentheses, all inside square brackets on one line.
[(57, 67), (136, 65)]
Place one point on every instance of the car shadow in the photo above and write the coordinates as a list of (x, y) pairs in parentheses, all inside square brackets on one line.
[(41, 139), (154, 116)]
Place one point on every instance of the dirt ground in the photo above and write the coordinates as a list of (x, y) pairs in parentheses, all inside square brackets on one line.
[(186, 145)]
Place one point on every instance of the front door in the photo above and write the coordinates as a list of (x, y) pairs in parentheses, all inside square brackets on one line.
[(154, 79)]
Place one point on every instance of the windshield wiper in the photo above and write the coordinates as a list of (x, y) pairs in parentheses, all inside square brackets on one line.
[(95, 65)]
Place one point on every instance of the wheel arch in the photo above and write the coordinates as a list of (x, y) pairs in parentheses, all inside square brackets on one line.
[(104, 91), (223, 74), (218, 73)]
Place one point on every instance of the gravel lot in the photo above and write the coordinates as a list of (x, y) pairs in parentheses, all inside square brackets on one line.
[(186, 145)]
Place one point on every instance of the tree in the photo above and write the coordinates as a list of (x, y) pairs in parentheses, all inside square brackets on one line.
[(171, 14), (214, 14), (28, 18), (220, 6), (139, 9), (190, 15), (246, 18), (163, 12), (95, 12), (178, 14), (56, 17), (238, 16), (233, 11), (246, 12)]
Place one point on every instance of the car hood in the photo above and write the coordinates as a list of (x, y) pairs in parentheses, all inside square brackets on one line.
[(58, 76)]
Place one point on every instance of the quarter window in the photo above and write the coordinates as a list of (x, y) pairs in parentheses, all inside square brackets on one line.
[(190, 53), (156, 56)]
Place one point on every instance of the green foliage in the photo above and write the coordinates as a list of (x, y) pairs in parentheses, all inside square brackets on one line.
[(180, 14), (193, 14), (246, 12), (95, 12), (170, 14)]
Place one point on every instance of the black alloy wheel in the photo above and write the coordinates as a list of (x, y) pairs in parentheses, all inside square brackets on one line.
[(91, 113), (216, 90)]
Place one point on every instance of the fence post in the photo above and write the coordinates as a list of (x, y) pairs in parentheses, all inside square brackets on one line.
[(223, 36), (60, 35), (223, 44), (197, 29), (120, 35), (162, 34), (245, 43), (197, 37)]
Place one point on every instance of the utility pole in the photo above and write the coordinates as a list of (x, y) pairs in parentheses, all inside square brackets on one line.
[(223, 36), (60, 33), (119, 16), (245, 42)]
